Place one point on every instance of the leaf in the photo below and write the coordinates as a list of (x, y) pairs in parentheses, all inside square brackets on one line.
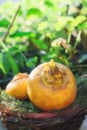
[(16, 52), (60, 24), (14, 66), (31, 62), (4, 22), (42, 25), (17, 48), (48, 3), (6, 64), (34, 11), (13, 50), (21, 34), (78, 20), (61, 33), (20, 59), (82, 58), (83, 25)]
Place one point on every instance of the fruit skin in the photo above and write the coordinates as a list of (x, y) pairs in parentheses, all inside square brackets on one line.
[(17, 87), (48, 97)]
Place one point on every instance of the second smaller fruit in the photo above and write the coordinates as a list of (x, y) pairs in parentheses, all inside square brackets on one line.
[(17, 86)]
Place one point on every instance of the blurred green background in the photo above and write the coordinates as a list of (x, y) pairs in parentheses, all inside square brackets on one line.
[(33, 32)]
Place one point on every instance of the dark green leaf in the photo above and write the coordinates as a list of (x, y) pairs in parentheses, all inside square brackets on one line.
[(34, 11), (20, 59), (21, 34), (14, 66), (4, 22), (6, 64), (13, 50)]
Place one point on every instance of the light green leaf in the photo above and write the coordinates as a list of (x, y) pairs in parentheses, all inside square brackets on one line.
[(78, 20), (42, 25), (60, 24)]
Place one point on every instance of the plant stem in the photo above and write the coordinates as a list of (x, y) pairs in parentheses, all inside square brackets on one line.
[(11, 24), (4, 46), (69, 38), (77, 40), (75, 45)]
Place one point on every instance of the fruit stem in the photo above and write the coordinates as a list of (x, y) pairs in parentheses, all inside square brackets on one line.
[(52, 74)]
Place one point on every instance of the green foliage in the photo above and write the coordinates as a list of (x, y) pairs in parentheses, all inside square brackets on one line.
[(37, 24), (31, 62)]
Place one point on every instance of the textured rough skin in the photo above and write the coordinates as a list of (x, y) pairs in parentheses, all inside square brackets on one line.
[(48, 95)]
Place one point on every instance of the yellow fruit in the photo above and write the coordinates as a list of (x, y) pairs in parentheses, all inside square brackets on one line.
[(18, 86), (52, 86)]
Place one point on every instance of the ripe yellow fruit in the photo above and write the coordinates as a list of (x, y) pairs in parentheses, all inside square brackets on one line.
[(17, 87), (52, 86)]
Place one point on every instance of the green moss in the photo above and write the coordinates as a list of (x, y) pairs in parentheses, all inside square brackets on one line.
[(16, 104)]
